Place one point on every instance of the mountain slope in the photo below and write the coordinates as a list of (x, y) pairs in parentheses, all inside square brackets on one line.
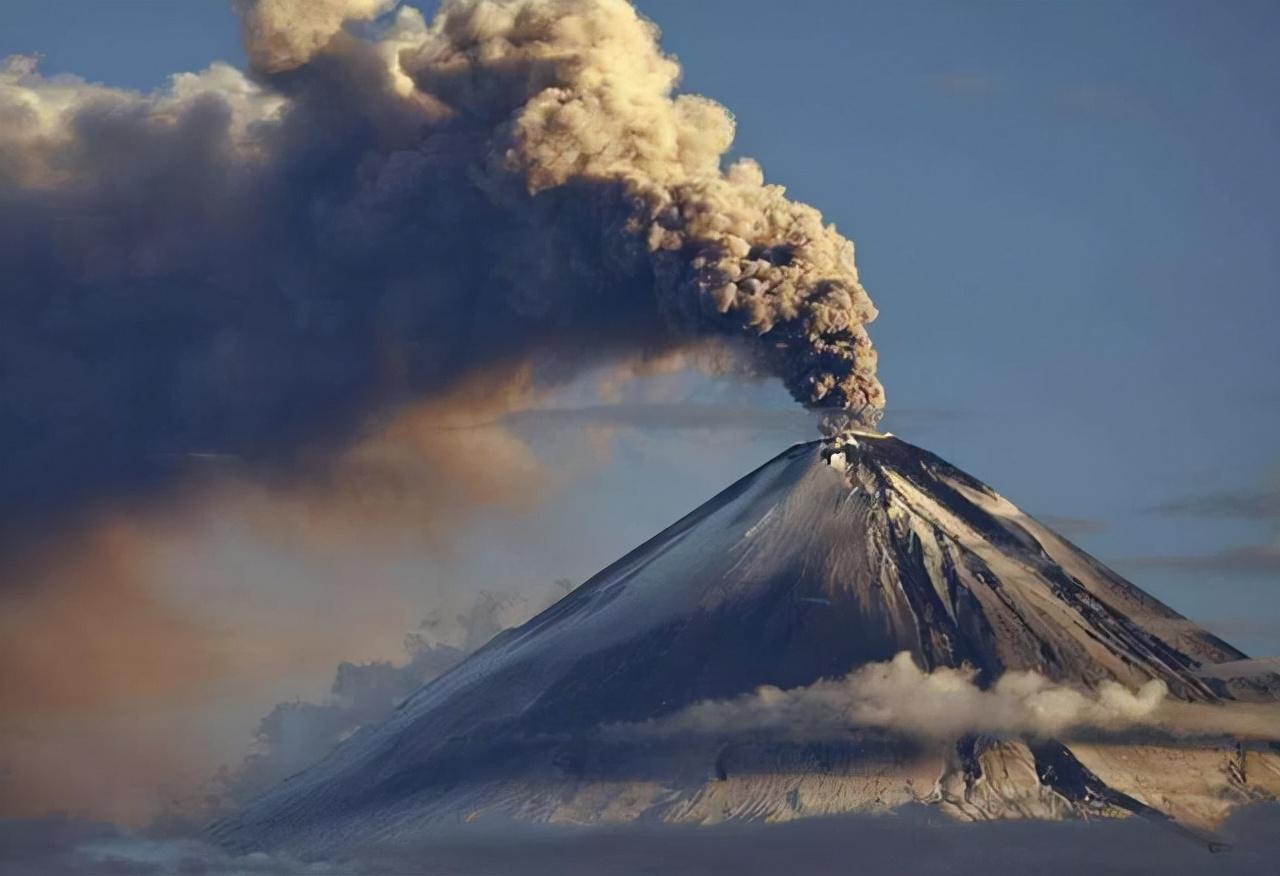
[(831, 555)]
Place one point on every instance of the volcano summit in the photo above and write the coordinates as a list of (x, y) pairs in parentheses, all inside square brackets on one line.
[(833, 557)]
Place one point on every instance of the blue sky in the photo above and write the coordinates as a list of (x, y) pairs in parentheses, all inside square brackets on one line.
[(1067, 213)]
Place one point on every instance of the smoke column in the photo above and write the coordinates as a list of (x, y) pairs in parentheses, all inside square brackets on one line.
[(261, 265)]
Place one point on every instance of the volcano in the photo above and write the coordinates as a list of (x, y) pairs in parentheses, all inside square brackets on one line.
[(833, 555)]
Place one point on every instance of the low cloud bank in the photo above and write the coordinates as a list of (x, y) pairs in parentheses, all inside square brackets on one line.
[(914, 839), (947, 703), (295, 735)]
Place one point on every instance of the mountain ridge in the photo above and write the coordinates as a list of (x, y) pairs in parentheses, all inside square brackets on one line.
[(832, 555)]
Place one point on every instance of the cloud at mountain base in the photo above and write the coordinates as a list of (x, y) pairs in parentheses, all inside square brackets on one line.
[(909, 840)]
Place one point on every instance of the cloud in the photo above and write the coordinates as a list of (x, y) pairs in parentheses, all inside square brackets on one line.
[(947, 704), (671, 416), (1253, 505), (266, 266), (296, 735), (138, 650), (930, 416), (281, 35), (137, 656), (93, 659), (104, 635), (1073, 526), (914, 839), (681, 416), (1243, 504), (1261, 559)]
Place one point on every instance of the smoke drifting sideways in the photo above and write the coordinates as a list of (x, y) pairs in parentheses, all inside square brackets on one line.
[(945, 704), (263, 265)]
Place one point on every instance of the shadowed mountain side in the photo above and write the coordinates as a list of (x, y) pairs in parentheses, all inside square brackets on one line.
[(833, 555)]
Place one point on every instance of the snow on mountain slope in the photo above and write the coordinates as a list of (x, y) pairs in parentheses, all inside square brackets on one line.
[(832, 555)]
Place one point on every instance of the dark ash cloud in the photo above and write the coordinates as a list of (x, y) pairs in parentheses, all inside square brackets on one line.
[(262, 266)]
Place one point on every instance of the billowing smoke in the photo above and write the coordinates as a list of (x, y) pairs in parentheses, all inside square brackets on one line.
[(946, 704), (264, 265), (283, 34)]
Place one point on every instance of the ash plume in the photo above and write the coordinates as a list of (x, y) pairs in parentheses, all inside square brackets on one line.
[(283, 34), (261, 265)]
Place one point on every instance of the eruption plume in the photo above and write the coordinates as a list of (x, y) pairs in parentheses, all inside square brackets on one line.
[(259, 265)]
